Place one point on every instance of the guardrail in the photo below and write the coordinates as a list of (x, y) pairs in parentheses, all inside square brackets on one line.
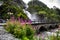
[(1, 24), (33, 22)]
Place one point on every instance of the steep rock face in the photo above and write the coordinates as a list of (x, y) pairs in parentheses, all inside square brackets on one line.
[(36, 2), (20, 3), (36, 5), (14, 2)]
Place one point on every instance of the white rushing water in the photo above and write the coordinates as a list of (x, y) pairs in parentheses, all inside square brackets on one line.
[(32, 17), (27, 13)]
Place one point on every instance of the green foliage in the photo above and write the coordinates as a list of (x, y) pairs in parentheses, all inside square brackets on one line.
[(9, 28), (20, 31), (13, 7), (25, 38), (29, 32)]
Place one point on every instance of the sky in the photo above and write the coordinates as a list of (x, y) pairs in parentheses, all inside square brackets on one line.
[(49, 3)]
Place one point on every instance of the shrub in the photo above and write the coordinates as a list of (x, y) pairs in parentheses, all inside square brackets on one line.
[(20, 31), (29, 32), (25, 38), (10, 27)]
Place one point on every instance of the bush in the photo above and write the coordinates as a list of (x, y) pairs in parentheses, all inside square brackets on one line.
[(20, 31), (25, 38), (10, 27), (29, 32)]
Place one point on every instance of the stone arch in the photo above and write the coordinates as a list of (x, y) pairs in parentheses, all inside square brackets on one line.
[(41, 29), (56, 26), (52, 27)]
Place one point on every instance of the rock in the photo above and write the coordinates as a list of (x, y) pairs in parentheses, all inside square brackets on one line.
[(4, 35)]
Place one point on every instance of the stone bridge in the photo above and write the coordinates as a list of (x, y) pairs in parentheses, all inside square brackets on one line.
[(45, 26)]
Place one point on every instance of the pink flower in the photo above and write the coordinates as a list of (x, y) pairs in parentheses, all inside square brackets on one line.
[(12, 19), (19, 19), (29, 21)]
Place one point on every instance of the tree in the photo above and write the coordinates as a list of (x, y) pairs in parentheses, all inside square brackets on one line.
[(13, 7)]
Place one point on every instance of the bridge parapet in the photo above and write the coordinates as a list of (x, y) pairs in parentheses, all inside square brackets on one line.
[(47, 26)]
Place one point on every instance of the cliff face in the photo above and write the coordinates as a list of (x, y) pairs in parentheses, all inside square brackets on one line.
[(36, 2), (20, 3), (36, 5), (14, 2)]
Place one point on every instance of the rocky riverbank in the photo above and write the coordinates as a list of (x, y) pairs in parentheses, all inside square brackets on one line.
[(44, 35), (4, 35)]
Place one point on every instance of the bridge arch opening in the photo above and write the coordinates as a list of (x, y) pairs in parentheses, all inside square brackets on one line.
[(56, 26), (42, 28)]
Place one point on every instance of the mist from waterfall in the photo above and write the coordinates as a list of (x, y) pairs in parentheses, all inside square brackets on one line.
[(32, 17)]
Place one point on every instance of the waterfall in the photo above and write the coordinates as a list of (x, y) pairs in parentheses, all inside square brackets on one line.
[(27, 13), (32, 17)]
